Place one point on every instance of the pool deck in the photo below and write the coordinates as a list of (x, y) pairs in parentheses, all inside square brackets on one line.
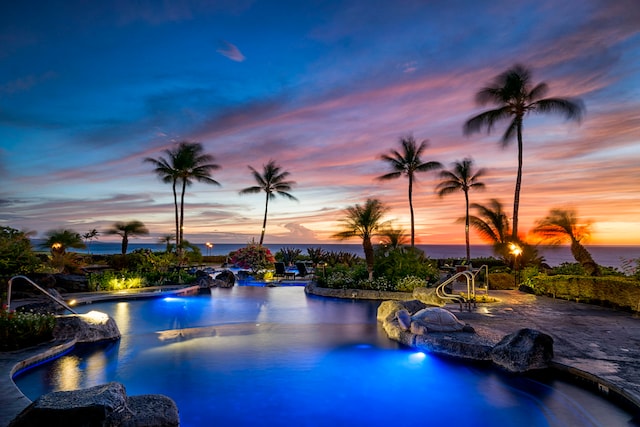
[(597, 344)]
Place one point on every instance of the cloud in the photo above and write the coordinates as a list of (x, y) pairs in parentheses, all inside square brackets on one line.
[(230, 51)]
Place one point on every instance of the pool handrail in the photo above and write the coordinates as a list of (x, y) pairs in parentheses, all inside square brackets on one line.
[(53, 298)]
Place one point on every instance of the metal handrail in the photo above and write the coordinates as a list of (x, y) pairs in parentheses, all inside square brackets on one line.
[(55, 299), (470, 276)]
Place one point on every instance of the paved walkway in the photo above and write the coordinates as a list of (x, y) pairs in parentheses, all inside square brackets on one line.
[(598, 343)]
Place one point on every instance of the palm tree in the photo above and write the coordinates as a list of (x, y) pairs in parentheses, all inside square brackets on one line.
[(363, 221), (393, 238), (89, 236), (58, 241), (273, 182), (166, 239), (515, 97), (126, 230), (407, 162), (184, 163), (491, 222), (562, 225), (461, 178)]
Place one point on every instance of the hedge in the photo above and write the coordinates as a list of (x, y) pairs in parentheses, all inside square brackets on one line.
[(622, 292)]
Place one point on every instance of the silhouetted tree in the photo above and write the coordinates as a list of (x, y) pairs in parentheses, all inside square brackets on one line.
[(515, 97)]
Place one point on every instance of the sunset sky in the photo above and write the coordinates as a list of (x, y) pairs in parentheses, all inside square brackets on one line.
[(89, 89)]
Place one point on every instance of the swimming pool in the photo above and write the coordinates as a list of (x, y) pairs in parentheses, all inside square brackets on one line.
[(248, 356)]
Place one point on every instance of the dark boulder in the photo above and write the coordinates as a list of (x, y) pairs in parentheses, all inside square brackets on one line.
[(524, 350), (103, 405), (226, 279)]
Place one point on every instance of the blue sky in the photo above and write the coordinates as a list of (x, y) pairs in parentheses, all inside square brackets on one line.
[(89, 89)]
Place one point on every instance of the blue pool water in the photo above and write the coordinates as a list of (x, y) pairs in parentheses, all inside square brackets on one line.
[(256, 356)]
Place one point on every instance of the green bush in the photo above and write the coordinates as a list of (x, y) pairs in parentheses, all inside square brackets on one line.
[(623, 292), (409, 283), (398, 263), (16, 255), (500, 281), (19, 330)]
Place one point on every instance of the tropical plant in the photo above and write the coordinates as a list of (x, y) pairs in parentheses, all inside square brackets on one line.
[(24, 329), (491, 222), (407, 162), (166, 240), (463, 178), (288, 255), (397, 263), (492, 225), (363, 221), (392, 238), (184, 163), (317, 255), (126, 230), (58, 241), (515, 97), (273, 181), (562, 225), (89, 236), (16, 255), (254, 257)]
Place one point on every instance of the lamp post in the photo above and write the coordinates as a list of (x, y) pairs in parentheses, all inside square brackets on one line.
[(209, 245), (515, 251)]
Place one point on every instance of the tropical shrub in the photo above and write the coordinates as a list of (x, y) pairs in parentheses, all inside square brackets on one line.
[(16, 255), (397, 263), (620, 292), (498, 281), (253, 257), (317, 255), (19, 330), (288, 255), (409, 283)]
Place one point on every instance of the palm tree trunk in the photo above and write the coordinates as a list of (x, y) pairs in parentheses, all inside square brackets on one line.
[(582, 255), (413, 231), (368, 255), (184, 189), (125, 244), (466, 226), (264, 221), (175, 204), (516, 196)]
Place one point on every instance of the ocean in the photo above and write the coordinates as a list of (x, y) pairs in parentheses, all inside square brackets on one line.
[(609, 256)]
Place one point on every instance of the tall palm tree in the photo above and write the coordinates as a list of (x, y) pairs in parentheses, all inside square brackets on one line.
[(407, 162), (126, 230), (562, 225), (515, 97), (58, 241), (273, 182), (363, 221), (184, 163), (462, 178)]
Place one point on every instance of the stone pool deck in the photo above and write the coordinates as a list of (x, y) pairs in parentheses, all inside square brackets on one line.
[(597, 344)]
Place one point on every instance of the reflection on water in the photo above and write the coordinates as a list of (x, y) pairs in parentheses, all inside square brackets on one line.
[(274, 356)]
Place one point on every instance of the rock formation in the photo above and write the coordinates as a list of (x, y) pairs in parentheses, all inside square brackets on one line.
[(103, 405), (439, 331), (523, 350), (91, 327)]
